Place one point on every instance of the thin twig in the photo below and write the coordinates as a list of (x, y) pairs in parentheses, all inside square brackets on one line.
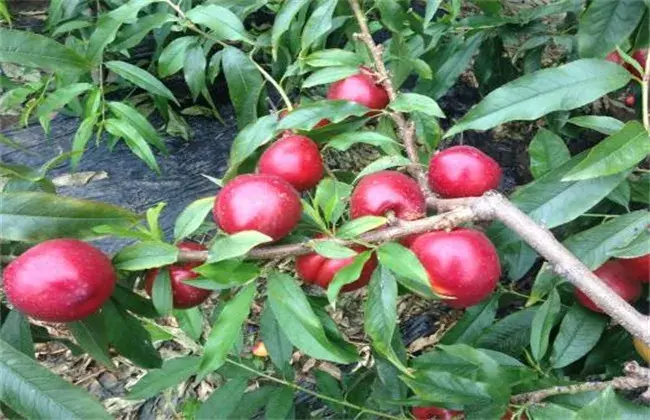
[(635, 377)]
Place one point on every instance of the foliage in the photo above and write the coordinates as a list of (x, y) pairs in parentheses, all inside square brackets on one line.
[(595, 201)]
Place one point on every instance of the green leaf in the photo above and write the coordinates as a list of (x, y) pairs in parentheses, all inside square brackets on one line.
[(173, 56), (283, 21), (579, 332), (346, 275), (191, 321), (473, 322), (606, 24), (299, 322), (551, 202), (35, 217), (344, 141), (244, 84), (81, 137), (384, 162), (605, 406), (32, 50), (133, 117), (34, 392), (618, 152), (133, 139), (307, 116), (275, 340), (224, 400), (161, 293), (593, 247), (452, 389), (141, 78), (318, 24), (133, 34), (380, 314), (334, 57), (249, 140), (136, 345), (602, 124), (621, 194), (194, 68), (412, 102), (392, 14), (547, 151), (4, 12), (225, 274), (403, 262), (15, 331), (61, 97), (225, 329), (171, 373), (452, 65), (134, 302), (236, 245), (90, 334), (542, 325), (191, 218), (143, 255), (509, 335), (108, 25), (637, 248), (329, 75), (223, 23), (331, 197), (280, 405), (534, 95), (331, 249), (356, 227)]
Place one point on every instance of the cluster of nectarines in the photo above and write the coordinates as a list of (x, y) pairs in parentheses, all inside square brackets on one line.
[(462, 264)]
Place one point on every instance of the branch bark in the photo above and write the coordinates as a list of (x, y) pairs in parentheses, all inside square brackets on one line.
[(635, 377)]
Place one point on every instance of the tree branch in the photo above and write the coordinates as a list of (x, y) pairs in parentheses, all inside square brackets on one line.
[(401, 229), (635, 377), (495, 206), (405, 128)]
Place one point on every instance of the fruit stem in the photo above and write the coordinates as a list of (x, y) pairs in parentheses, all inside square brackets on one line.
[(276, 85), (313, 393)]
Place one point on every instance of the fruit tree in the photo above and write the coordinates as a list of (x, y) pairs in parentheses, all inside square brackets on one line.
[(287, 292)]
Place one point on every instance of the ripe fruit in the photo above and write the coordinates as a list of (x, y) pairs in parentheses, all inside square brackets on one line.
[(295, 159), (259, 350), (60, 280), (433, 412), (360, 88), (614, 275), (265, 203), (642, 349), (639, 55), (630, 100), (316, 269), (184, 295), (463, 171), (381, 192), (462, 264), (637, 268)]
